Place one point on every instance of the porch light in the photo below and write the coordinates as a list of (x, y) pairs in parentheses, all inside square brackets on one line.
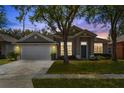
[(53, 49), (17, 49)]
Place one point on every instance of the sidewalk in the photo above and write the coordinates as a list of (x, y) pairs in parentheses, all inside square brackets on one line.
[(79, 76)]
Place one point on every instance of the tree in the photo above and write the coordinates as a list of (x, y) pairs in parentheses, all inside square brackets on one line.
[(45, 32), (112, 15), (16, 33), (23, 11), (3, 20), (57, 17), (121, 29)]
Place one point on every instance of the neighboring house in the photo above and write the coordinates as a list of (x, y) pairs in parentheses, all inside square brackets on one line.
[(120, 47), (81, 44), (6, 44)]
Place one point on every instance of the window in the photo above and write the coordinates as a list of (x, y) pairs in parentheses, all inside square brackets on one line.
[(83, 43), (109, 50), (98, 48), (69, 47)]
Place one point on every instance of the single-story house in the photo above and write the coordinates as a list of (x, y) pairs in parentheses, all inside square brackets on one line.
[(120, 47), (6, 44), (81, 44)]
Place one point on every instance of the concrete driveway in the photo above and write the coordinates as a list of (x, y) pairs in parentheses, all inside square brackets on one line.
[(19, 73)]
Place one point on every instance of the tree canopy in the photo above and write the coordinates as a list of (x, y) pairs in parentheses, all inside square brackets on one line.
[(3, 20), (23, 11)]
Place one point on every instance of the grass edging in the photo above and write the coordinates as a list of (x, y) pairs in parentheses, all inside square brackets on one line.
[(78, 83), (4, 61), (87, 67)]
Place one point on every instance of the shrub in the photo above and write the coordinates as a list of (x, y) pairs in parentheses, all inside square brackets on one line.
[(2, 57), (70, 57), (12, 56), (102, 56), (93, 57), (53, 56)]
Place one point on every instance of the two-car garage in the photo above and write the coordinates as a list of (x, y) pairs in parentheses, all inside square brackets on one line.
[(35, 47), (35, 52)]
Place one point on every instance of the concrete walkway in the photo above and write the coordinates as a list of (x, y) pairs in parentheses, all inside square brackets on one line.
[(79, 76), (19, 74)]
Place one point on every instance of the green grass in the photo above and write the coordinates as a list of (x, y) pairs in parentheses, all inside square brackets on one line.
[(4, 61), (86, 67), (78, 83)]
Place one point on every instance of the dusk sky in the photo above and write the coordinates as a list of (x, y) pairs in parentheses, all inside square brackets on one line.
[(11, 14)]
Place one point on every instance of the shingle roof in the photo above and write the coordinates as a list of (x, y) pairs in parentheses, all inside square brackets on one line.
[(77, 31), (35, 38), (83, 30), (101, 39), (120, 38), (7, 38)]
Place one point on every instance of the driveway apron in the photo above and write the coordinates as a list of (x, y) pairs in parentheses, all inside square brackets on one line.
[(19, 74)]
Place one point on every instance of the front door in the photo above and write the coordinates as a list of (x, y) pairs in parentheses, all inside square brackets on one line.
[(83, 51)]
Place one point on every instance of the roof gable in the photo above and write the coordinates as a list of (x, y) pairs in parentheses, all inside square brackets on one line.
[(36, 38), (76, 31), (83, 32)]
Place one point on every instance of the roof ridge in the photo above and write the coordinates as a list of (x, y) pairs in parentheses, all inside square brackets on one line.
[(25, 37), (83, 29), (37, 33), (45, 37)]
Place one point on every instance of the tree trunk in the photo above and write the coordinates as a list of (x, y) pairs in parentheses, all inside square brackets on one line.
[(114, 56), (23, 24), (66, 60)]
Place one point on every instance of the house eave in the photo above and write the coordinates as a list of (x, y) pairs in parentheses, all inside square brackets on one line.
[(35, 43)]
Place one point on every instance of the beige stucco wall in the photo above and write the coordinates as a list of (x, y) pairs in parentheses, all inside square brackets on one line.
[(90, 46), (76, 46)]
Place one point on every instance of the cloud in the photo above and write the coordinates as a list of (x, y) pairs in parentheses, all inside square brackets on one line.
[(102, 34), (101, 30)]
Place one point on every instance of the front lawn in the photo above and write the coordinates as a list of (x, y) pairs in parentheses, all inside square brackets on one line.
[(78, 83), (4, 61), (86, 67)]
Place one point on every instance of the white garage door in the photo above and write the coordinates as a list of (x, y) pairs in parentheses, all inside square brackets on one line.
[(35, 52)]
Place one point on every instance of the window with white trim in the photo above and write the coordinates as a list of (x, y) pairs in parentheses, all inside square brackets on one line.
[(69, 48), (98, 47)]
